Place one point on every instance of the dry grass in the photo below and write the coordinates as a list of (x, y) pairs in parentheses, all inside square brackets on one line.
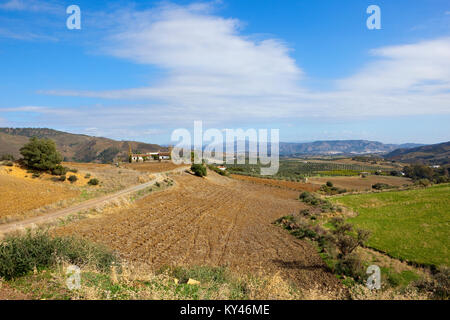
[(21, 195), (111, 178), (153, 167)]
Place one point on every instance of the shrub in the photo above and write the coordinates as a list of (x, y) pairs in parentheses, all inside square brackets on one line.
[(423, 182), (40, 154), (36, 175), (329, 184), (438, 285), (72, 178), (9, 163), (88, 175), (62, 178), (59, 170), (73, 170), (345, 238), (351, 266), (396, 173), (199, 170), (93, 182), (9, 157), (19, 255), (313, 200), (380, 186)]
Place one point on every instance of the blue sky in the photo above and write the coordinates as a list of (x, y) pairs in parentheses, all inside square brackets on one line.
[(138, 70)]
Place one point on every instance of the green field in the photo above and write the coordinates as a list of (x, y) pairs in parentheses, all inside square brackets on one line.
[(412, 225)]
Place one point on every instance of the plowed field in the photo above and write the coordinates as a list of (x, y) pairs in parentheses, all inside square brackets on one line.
[(211, 221), (360, 184), (298, 186)]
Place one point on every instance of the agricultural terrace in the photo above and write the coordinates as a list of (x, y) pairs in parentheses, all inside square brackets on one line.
[(412, 225)]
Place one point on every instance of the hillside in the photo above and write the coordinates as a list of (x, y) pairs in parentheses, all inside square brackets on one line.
[(430, 154), (339, 147), (73, 147)]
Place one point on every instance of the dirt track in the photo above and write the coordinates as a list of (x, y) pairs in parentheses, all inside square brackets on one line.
[(212, 221)]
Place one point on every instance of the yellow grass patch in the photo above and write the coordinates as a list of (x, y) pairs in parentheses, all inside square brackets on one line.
[(20, 194)]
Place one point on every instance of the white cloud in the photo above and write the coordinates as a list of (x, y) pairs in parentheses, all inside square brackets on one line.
[(214, 72)]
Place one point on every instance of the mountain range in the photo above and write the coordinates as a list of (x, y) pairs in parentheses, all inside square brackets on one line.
[(84, 148), (337, 147), (430, 154), (73, 147)]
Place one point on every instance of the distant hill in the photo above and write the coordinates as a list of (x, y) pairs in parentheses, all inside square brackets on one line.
[(335, 147), (73, 147), (430, 154)]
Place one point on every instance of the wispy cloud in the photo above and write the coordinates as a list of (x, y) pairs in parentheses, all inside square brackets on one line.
[(32, 5), (25, 35), (216, 72)]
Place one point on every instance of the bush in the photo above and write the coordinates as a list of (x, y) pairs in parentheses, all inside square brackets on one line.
[(350, 266), (73, 170), (438, 285), (36, 175), (8, 163), (219, 171), (72, 178), (93, 182), (40, 154), (88, 175), (309, 198), (59, 170), (8, 157), (62, 178), (345, 238), (396, 173), (19, 255), (199, 170), (422, 182), (380, 186), (329, 184)]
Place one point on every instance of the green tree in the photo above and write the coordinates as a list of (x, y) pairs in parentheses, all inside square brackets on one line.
[(40, 154)]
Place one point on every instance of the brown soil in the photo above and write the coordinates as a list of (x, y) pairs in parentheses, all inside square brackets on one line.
[(7, 293), (298, 186), (211, 221), (360, 184)]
